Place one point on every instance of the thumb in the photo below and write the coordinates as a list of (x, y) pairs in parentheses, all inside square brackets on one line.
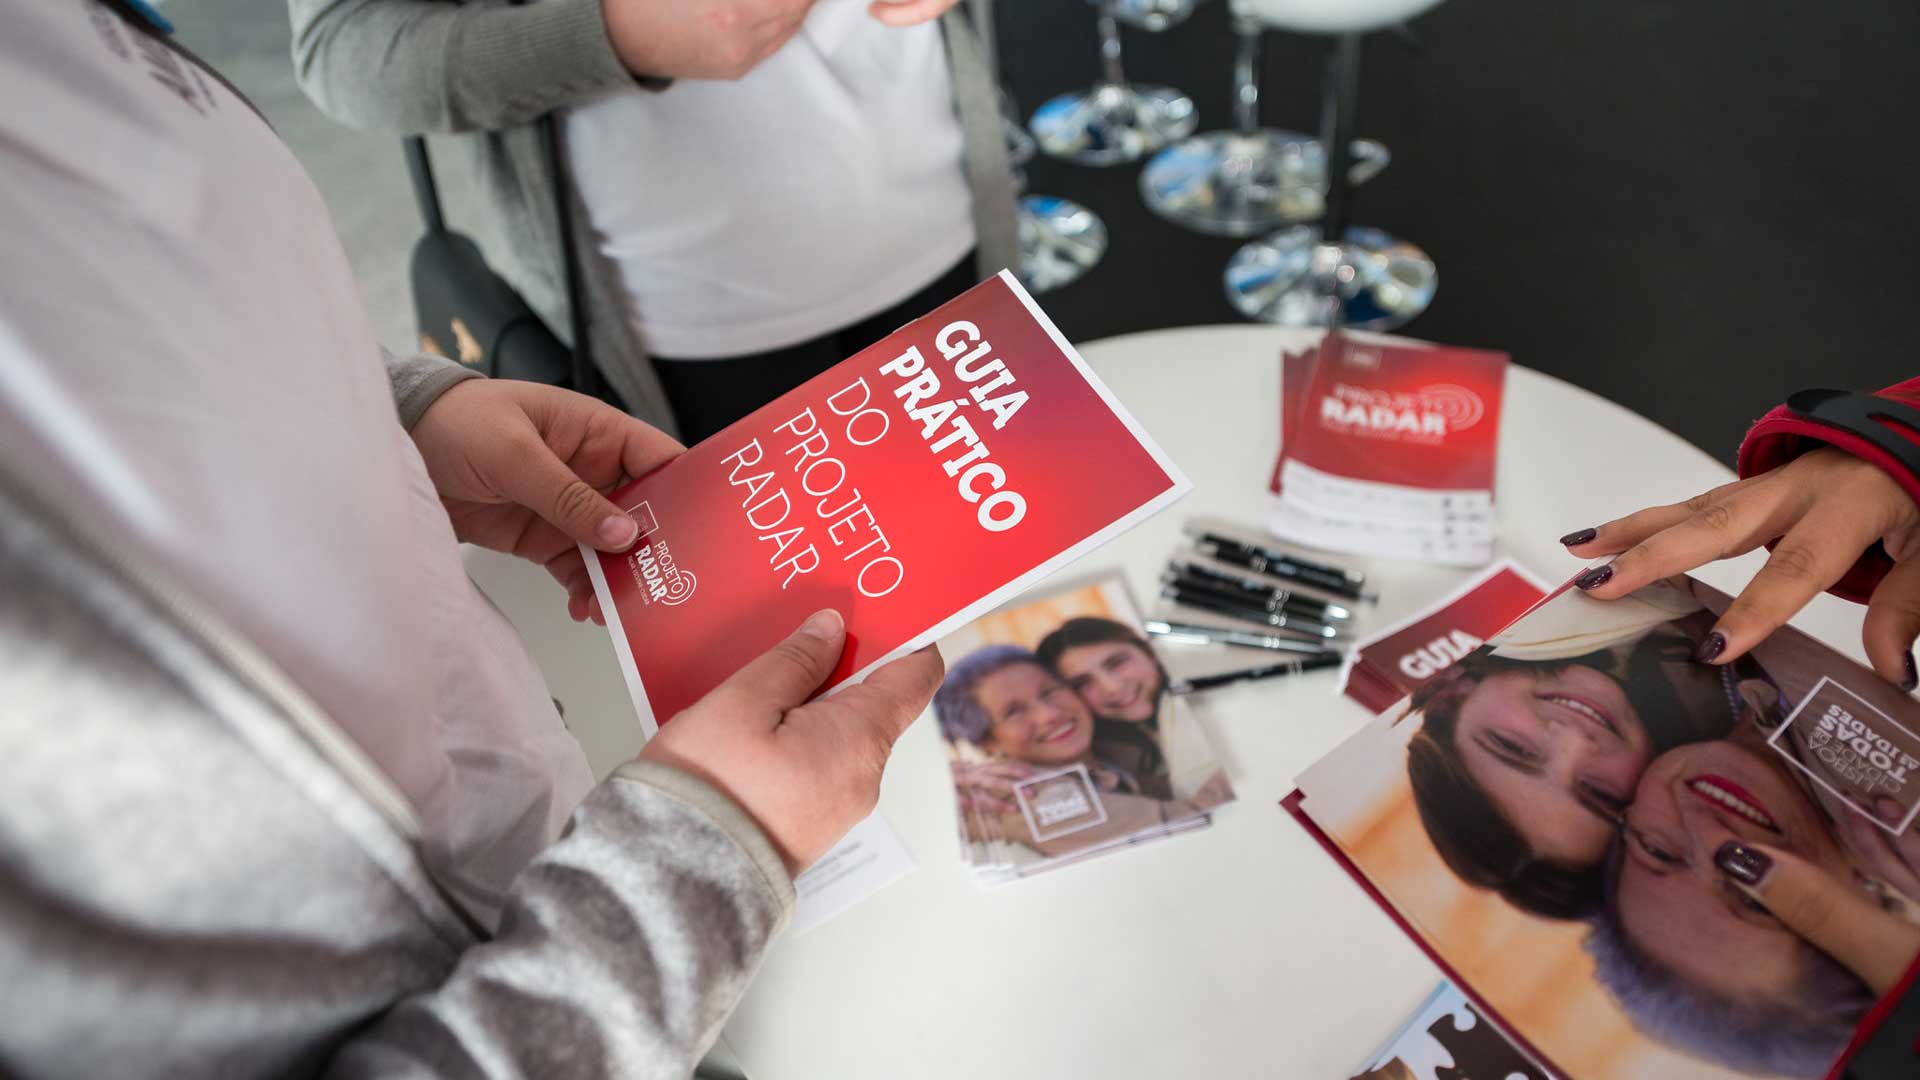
[(889, 700), (542, 483), (1893, 621), (788, 674), (1834, 916)]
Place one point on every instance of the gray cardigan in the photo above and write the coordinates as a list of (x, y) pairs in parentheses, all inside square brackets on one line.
[(202, 875), (490, 68)]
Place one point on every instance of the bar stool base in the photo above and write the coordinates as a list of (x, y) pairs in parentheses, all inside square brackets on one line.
[(1282, 278), (1113, 123), (1060, 241), (1226, 183)]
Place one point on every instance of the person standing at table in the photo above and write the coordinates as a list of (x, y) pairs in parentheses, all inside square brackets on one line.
[(768, 185), (283, 793)]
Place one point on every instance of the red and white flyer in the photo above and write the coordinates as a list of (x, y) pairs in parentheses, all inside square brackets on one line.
[(912, 487), (1418, 416), (1389, 449)]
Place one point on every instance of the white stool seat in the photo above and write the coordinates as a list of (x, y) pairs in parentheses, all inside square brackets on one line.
[(1331, 16)]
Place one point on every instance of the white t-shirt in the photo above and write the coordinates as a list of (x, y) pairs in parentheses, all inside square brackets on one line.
[(186, 364), (821, 188)]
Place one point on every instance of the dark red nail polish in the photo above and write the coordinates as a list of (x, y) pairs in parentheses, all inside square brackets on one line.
[(1742, 863), (1575, 539), (1710, 649), (1594, 578), (1913, 676)]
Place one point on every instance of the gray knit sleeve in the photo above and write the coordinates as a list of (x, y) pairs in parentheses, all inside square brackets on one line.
[(621, 951), (419, 380), (191, 884), (421, 66)]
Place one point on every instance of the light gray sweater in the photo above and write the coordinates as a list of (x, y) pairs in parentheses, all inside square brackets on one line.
[(488, 69), (201, 875)]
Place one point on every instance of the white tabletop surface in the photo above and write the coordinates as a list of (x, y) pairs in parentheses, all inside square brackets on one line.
[(1239, 950)]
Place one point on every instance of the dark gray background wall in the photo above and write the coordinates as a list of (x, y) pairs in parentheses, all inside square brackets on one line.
[(1691, 208)]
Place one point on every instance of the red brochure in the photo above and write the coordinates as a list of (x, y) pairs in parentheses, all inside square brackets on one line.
[(1418, 416), (915, 485), (1393, 663)]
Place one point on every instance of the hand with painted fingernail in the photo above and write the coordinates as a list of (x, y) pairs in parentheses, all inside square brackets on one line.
[(1837, 917), (1825, 509)]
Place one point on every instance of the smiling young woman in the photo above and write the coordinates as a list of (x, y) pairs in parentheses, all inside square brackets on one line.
[(1524, 764), (1117, 675)]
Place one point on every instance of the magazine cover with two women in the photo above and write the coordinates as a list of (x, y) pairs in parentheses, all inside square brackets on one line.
[(1064, 736), (1544, 818)]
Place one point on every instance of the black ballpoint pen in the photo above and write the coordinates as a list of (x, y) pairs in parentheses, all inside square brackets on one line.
[(1267, 671), (1238, 555), (1280, 564), (1207, 602), (1196, 634), (1353, 577), (1230, 594), (1258, 593), (1329, 576)]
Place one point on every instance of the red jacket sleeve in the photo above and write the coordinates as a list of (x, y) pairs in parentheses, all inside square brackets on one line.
[(1780, 436)]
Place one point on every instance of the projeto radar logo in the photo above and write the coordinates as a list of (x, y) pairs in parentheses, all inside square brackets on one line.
[(1428, 414), (660, 579)]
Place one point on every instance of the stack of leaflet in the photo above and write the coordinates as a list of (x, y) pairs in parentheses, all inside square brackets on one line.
[(1388, 450), (1065, 736)]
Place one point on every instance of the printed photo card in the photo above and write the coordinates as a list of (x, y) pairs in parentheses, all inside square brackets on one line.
[(1063, 736)]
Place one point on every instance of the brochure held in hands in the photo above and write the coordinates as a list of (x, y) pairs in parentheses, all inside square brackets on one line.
[(914, 485)]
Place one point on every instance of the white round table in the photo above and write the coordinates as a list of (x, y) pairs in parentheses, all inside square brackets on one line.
[(1238, 950)]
